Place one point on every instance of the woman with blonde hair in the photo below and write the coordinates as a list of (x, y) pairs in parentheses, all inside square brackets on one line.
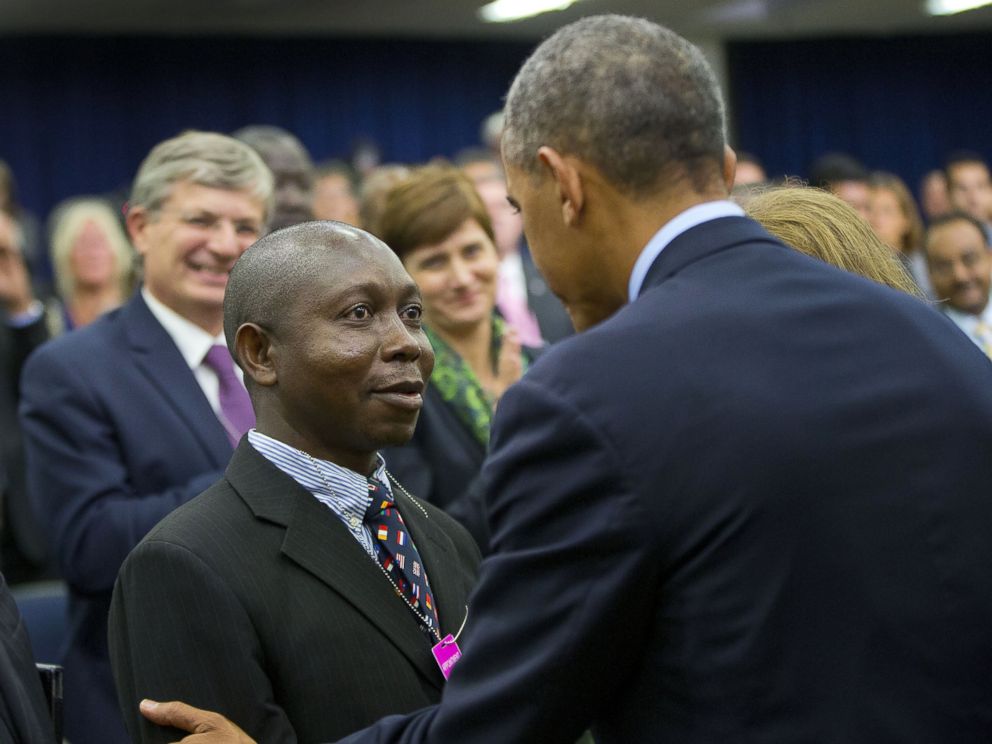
[(823, 226), (92, 260)]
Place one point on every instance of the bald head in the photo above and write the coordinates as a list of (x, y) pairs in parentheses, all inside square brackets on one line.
[(281, 266)]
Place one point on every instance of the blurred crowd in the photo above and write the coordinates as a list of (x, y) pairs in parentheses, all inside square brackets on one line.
[(487, 311)]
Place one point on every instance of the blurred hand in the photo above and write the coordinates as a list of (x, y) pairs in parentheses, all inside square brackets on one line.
[(509, 365), (16, 294), (206, 727)]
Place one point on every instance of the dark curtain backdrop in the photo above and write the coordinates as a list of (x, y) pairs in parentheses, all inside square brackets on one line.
[(79, 114), (898, 104)]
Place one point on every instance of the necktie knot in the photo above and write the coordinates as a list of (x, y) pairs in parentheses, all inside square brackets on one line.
[(379, 502)]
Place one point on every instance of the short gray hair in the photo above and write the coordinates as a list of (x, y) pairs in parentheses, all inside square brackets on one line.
[(630, 97), (204, 158)]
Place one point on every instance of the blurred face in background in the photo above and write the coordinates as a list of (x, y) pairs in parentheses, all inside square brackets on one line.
[(457, 279), (960, 266), (508, 227), (970, 189), (91, 258), (334, 199), (855, 193), (887, 218)]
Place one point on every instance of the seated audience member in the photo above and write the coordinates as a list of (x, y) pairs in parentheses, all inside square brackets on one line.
[(27, 225), (281, 573), (291, 168), (24, 715), (23, 329), (969, 187), (138, 412), (522, 296), (961, 273), (92, 262), (372, 194), (934, 199), (334, 193), (823, 226), (750, 170), (842, 175), (896, 221), (441, 230)]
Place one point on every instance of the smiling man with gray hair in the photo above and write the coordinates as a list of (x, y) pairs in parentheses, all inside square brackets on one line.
[(128, 418)]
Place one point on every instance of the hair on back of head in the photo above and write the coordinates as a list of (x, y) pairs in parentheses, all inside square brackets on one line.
[(628, 96)]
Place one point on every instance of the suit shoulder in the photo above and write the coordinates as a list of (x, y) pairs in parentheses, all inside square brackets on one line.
[(196, 522), (87, 346)]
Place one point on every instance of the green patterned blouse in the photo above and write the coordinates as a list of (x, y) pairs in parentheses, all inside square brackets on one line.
[(458, 385)]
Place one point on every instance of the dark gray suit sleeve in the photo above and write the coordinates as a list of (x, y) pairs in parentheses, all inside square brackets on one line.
[(178, 632), (565, 576)]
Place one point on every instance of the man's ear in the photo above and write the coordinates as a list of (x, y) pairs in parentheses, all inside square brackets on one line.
[(568, 180), (254, 349), (729, 166), (137, 222)]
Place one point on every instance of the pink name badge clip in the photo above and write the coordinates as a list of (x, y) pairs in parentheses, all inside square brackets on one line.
[(446, 654)]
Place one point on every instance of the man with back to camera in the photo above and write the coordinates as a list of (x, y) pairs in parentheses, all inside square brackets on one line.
[(734, 507), (960, 267), (128, 418), (276, 573)]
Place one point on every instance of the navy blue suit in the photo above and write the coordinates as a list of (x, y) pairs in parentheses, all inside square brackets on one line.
[(118, 434), (752, 506)]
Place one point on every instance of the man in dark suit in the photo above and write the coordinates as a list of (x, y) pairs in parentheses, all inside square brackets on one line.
[(25, 552), (749, 501), (24, 716), (125, 419), (268, 573)]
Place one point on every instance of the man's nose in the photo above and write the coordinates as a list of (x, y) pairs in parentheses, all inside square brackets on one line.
[(224, 239), (399, 341)]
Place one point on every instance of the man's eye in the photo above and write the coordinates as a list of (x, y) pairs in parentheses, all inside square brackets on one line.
[(360, 312), (413, 312), (199, 221), (248, 230)]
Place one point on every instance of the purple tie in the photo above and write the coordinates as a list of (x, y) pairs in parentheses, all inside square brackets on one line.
[(235, 407)]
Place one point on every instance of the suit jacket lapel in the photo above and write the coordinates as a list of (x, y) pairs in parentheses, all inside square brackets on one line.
[(156, 356), (318, 542)]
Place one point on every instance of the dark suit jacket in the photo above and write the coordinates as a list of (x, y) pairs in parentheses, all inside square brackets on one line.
[(753, 506), (24, 717), (25, 550), (118, 434), (254, 600)]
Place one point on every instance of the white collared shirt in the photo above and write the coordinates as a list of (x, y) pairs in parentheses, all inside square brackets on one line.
[(682, 222), (976, 327), (193, 343)]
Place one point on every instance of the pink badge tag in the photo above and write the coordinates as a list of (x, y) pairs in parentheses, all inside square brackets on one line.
[(447, 654)]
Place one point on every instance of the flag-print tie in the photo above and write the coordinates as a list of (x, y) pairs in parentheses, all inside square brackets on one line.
[(398, 556)]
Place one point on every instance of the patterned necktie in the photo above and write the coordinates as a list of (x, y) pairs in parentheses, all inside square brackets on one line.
[(398, 556), (235, 406)]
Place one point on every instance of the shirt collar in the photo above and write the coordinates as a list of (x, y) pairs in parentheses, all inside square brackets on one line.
[(682, 222), (969, 321), (192, 341), (300, 467)]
